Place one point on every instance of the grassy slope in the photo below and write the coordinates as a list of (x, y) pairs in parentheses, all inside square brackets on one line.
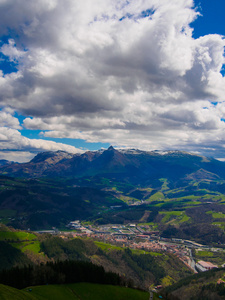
[(11, 257), (17, 236), (173, 201), (81, 291), (115, 261), (10, 293), (18, 251), (18, 248), (200, 286)]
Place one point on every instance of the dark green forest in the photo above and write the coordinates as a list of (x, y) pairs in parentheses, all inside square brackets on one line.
[(60, 272)]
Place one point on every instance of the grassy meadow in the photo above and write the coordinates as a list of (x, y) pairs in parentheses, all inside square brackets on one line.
[(78, 291)]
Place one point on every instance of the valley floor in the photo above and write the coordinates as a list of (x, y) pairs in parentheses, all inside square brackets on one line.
[(135, 237)]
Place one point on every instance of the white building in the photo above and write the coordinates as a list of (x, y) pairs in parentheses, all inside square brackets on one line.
[(203, 266)]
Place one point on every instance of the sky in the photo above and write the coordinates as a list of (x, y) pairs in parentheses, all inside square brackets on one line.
[(84, 75)]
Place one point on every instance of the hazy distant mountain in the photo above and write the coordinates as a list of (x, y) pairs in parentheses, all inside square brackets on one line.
[(36, 166), (131, 165), (4, 162)]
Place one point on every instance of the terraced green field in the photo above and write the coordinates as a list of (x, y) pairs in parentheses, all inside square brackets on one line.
[(216, 215), (217, 258), (33, 246), (175, 217), (219, 224), (157, 197), (17, 236), (106, 247), (23, 241)]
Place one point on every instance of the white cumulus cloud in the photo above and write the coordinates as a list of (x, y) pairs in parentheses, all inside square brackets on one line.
[(128, 73)]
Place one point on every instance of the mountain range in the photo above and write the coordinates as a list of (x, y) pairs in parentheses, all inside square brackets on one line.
[(175, 192), (136, 166)]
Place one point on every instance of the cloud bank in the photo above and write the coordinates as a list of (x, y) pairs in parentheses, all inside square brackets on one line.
[(128, 73)]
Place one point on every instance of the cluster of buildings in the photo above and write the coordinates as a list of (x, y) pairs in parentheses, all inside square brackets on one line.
[(143, 238)]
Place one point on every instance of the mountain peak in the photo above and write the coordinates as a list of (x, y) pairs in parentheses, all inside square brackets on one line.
[(111, 148), (51, 155)]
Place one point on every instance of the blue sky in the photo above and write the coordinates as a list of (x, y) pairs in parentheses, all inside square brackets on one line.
[(212, 19), (136, 74)]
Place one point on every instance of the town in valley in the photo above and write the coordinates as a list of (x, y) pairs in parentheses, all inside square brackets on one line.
[(141, 237)]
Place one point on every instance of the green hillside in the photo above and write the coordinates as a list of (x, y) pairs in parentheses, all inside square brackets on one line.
[(193, 209), (140, 268), (175, 192), (19, 248), (206, 285), (10, 293), (87, 291), (79, 291), (174, 208), (45, 203), (11, 257)]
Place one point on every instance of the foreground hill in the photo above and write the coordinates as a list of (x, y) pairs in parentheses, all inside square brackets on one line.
[(137, 267), (84, 291), (8, 292), (208, 285)]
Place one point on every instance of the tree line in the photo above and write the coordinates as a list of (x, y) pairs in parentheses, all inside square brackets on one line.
[(60, 272)]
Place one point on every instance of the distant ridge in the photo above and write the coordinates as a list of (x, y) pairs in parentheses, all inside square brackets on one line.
[(131, 164), (4, 162)]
